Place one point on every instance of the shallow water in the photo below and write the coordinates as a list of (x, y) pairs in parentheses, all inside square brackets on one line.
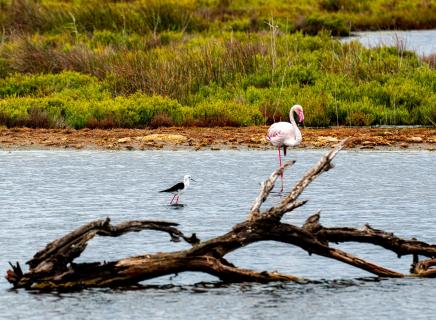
[(45, 194), (421, 41)]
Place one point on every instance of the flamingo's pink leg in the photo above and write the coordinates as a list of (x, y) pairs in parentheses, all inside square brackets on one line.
[(281, 175), (173, 199)]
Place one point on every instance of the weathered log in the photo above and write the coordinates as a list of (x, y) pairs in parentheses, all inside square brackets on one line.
[(54, 268)]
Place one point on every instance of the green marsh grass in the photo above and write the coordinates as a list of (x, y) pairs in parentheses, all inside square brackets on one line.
[(235, 79), (157, 63)]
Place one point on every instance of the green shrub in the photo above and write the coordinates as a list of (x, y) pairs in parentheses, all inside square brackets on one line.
[(225, 113), (315, 23), (20, 85)]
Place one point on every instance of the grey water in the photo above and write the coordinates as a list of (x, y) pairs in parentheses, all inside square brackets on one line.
[(423, 42), (44, 194)]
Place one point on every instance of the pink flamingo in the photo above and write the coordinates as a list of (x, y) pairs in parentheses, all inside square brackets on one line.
[(285, 134)]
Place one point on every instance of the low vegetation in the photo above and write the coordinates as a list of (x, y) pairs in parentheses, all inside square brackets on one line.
[(207, 63)]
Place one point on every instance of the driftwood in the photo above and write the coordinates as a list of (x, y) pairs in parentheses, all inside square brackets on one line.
[(53, 268)]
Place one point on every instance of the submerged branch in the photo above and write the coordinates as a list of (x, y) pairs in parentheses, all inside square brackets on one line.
[(424, 268)]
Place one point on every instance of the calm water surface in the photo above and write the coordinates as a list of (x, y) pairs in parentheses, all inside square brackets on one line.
[(44, 194), (421, 41)]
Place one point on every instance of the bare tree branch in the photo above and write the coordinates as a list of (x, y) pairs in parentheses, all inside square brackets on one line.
[(266, 188), (57, 254)]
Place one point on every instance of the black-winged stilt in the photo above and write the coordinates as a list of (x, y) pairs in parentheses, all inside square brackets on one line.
[(179, 188)]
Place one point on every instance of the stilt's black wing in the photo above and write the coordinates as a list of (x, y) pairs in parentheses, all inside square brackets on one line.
[(175, 188)]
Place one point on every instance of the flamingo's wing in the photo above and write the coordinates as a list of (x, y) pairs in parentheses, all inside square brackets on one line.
[(276, 135), (279, 132)]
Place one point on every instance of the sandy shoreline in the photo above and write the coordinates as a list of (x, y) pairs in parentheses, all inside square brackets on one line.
[(219, 138)]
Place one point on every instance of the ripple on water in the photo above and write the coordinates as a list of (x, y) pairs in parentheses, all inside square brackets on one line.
[(45, 194)]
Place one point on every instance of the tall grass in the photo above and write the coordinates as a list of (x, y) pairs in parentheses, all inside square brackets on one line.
[(78, 16), (154, 16)]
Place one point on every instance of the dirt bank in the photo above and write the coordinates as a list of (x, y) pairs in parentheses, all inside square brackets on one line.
[(212, 138)]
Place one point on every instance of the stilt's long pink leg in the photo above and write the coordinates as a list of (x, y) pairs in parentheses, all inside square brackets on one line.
[(173, 199), (177, 199), (281, 175)]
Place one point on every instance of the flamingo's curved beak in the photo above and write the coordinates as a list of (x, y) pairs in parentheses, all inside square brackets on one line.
[(301, 117)]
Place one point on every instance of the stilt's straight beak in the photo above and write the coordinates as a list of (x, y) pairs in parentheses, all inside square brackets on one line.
[(192, 179)]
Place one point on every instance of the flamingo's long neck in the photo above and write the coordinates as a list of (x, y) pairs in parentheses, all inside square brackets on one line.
[(291, 116), (294, 124)]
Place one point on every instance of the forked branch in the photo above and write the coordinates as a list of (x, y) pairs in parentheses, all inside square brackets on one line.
[(266, 188)]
